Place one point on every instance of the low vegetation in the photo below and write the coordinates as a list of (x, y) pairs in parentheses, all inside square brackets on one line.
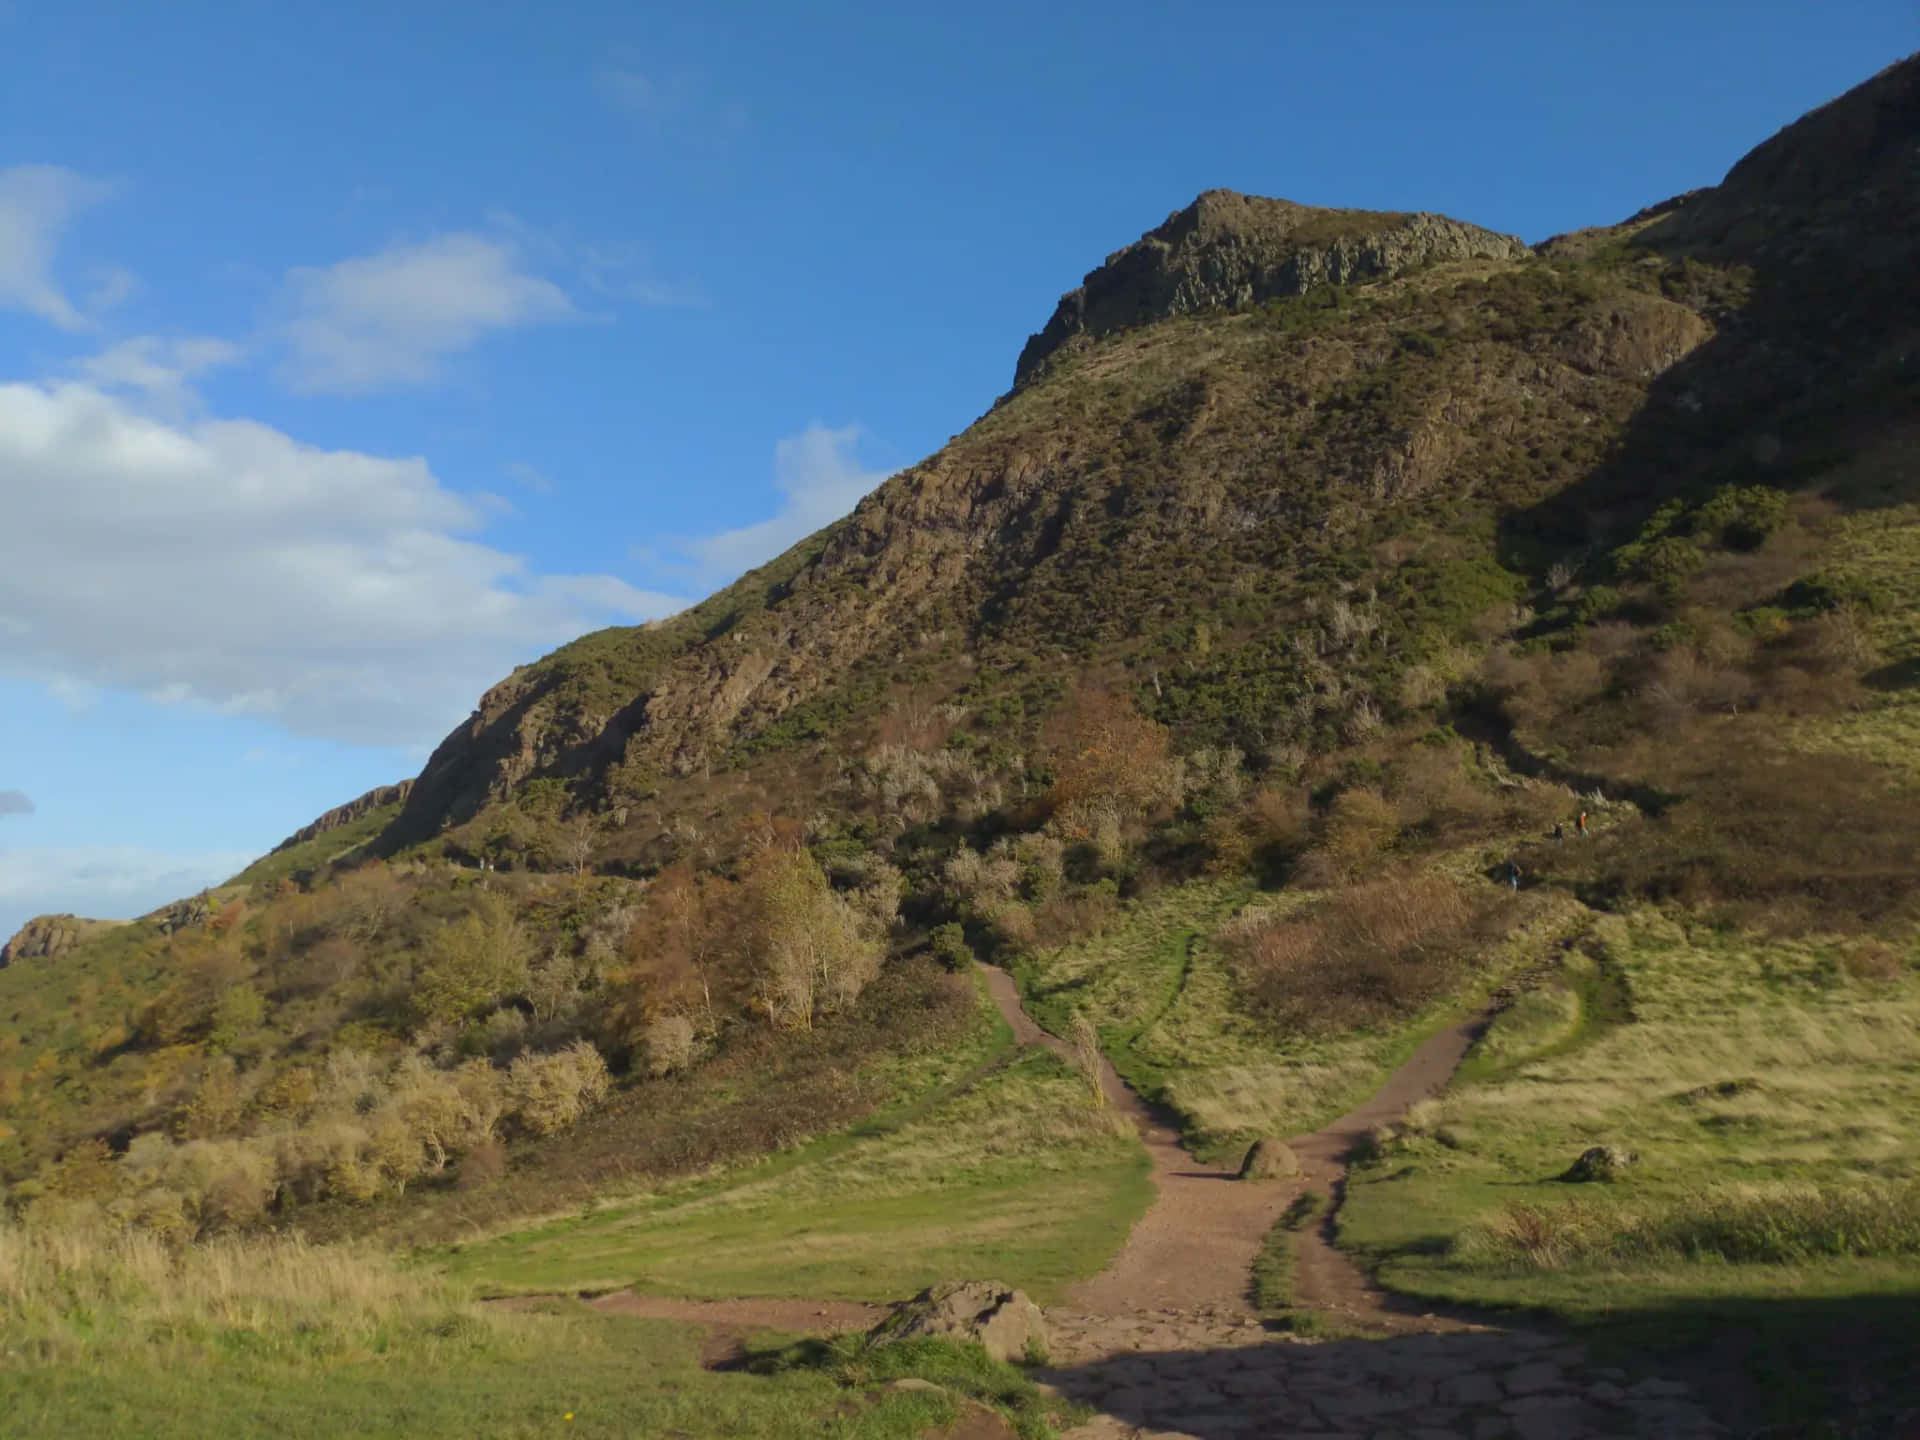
[(118, 1333), (1017, 1178)]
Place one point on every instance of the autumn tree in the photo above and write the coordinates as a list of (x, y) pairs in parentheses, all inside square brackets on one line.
[(1110, 764), (470, 963), (810, 953)]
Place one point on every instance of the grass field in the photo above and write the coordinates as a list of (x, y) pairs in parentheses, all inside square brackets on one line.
[(1769, 1089), (1016, 1179), (1160, 989), (257, 1337)]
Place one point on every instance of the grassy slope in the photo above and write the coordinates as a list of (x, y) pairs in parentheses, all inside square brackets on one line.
[(1749, 1072), (324, 848), (1014, 1179), (1163, 996)]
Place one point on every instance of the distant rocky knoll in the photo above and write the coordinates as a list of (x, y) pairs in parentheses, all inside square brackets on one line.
[(50, 936)]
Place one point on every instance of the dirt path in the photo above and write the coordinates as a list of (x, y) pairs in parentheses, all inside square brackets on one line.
[(1324, 1278), (1193, 1251)]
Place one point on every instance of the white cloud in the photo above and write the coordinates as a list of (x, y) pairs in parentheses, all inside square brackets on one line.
[(105, 882), (36, 203), (391, 318), (159, 368), (225, 564), (819, 481)]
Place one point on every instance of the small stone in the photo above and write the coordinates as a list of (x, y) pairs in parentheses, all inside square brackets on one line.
[(1602, 1163), (1491, 1427), (1660, 1389), (1531, 1379), (1471, 1389), (1606, 1392), (912, 1383)]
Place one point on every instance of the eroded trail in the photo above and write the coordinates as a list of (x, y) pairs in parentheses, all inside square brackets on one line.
[(1194, 1249)]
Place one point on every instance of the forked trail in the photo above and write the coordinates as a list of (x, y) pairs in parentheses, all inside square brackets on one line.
[(1194, 1249)]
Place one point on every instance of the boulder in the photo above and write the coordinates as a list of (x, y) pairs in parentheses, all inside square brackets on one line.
[(1002, 1320), (1269, 1159), (1602, 1162)]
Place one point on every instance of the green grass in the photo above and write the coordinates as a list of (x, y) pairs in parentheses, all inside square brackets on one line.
[(1016, 1179), (259, 1337), (1769, 1089), (1273, 1266), (1160, 988), (329, 845)]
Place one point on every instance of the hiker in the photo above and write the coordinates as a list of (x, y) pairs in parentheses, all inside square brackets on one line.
[(1513, 874), (1559, 832), (1580, 825)]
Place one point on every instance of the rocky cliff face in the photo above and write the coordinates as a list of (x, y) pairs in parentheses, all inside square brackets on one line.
[(1227, 250), (377, 798), (1203, 452)]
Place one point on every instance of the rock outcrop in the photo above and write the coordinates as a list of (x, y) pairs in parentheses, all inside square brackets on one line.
[(1227, 250), (47, 937), (1004, 1321), (377, 798)]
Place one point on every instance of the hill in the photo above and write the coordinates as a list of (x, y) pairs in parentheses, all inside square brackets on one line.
[(1336, 552)]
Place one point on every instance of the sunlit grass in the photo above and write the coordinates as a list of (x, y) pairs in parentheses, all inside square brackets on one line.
[(1019, 1179)]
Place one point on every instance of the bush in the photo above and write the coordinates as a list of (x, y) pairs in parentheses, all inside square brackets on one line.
[(668, 1045), (1741, 516), (951, 948), (547, 1093)]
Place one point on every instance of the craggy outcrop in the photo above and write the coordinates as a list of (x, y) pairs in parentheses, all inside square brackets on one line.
[(377, 798), (1227, 250), (47, 937)]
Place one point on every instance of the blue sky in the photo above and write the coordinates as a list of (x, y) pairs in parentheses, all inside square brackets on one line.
[(351, 356)]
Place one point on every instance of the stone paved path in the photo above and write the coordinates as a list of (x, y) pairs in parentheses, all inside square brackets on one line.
[(1179, 1374)]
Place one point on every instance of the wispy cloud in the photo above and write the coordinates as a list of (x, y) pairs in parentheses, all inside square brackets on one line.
[(677, 105), (535, 480), (37, 202), (349, 599), (160, 368), (391, 318), (819, 480), (612, 272), (15, 802)]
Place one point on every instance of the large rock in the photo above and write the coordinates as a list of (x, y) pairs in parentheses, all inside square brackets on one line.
[(1003, 1320), (1602, 1162), (1269, 1159), (47, 937)]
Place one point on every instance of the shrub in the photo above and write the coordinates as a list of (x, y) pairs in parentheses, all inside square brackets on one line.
[(547, 1093), (668, 1045), (1741, 516)]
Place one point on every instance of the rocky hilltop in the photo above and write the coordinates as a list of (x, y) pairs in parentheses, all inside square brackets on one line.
[(1228, 250), (1269, 408)]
